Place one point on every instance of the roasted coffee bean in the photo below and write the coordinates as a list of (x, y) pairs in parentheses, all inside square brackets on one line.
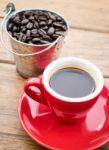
[(44, 42), (33, 21), (18, 29), (41, 32), (15, 34), (23, 30), (42, 18), (29, 25), (35, 40), (46, 37), (10, 26), (36, 25), (57, 24), (36, 13), (51, 30), (20, 36), (46, 15), (44, 28), (34, 31), (36, 17), (57, 29), (42, 23), (50, 21), (55, 36), (40, 13), (28, 33), (35, 35), (17, 20), (27, 14), (14, 29), (59, 32), (53, 17), (24, 22), (59, 18), (64, 27), (31, 18), (24, 38), (21, 27), (23, 17)]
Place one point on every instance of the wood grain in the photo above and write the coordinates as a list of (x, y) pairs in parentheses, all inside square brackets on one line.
[(85, 14), (16, 142), (10, 87), (5, 55), (88, 38), (12, 135), (89, 45)]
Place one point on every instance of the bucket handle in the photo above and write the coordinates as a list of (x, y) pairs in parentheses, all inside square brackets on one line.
[(9, 9)]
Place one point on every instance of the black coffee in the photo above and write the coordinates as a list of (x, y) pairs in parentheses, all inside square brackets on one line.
[(72, 82)]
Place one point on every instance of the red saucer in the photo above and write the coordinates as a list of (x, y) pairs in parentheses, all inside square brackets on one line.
[(41, 125)]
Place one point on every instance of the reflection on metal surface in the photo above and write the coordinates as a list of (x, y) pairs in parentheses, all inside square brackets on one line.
[(32, 59)]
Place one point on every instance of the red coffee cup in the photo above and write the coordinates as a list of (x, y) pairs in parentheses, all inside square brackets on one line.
[(66, 109)]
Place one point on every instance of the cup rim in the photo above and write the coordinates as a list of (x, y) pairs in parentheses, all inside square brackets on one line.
[(89, 97)]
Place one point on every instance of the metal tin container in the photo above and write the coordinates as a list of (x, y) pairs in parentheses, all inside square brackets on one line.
[(31, 59)]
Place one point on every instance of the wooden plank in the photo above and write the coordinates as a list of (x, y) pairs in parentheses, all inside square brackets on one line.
[(104, 147), (10, 87), (12, 135), (84, 14), (5, 55), (15, 142), (88, 45)]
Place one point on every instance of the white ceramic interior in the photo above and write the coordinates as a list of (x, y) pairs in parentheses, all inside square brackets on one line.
[(77, 63)]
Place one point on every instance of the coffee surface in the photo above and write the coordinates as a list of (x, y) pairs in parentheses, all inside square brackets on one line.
[(72, 82)]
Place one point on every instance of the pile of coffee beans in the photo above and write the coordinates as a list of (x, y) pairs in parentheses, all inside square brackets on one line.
[(36, 26)]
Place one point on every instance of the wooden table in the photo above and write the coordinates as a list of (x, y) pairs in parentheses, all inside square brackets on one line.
[(88, 38)]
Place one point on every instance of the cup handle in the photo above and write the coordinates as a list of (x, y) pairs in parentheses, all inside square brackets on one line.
[(33, 88)]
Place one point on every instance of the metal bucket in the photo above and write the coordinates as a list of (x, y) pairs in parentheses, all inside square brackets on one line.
[(31, 59)]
